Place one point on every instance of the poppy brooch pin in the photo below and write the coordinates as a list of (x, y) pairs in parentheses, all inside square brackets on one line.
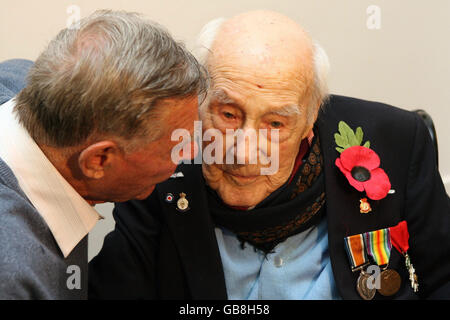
[(360, 165)]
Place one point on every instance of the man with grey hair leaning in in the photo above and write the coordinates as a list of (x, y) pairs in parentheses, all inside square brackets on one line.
[(341, 218), (92, 125)]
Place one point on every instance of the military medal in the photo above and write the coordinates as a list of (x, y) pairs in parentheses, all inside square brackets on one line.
[(412, 274), (182, 203), (365, 291), (399, 238), (378, 245), (390, 282), (356, 252)]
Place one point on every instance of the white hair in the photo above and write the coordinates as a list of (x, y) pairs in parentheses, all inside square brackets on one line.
[(206, 38), (321, 63), (321, 72)]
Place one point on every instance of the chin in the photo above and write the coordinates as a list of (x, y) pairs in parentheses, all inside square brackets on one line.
[(233, 196), (242, 190), (145, 194)]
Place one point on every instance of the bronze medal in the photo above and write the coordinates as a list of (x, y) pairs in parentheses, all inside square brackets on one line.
[(362, 287), (390, 282)]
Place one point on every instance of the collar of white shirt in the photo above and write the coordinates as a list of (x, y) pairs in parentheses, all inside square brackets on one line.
[(67, 214)]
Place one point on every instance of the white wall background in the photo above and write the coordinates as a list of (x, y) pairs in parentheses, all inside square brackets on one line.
[(405, 62)]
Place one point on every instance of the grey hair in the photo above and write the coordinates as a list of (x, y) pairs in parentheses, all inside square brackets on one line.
[(320, 92), (106, 78)]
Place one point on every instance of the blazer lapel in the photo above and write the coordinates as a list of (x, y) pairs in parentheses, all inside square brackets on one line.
[(343, 215), (194, 236)]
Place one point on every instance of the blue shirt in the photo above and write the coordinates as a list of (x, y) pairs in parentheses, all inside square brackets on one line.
[(299, 268)]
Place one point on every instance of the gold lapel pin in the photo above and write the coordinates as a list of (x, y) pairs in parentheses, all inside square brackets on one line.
[(182, 203), (364, 206)]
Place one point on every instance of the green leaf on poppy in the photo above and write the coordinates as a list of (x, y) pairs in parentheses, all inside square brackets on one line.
[(341, 138), (347, 138), (359, 135), (351, 137), (341, 141), (344, 129)]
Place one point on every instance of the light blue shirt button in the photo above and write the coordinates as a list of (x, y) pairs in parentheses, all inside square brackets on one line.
[(278, 262)]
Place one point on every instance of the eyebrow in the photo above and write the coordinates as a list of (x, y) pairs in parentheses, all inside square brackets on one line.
[(286, 111), (221, 96)]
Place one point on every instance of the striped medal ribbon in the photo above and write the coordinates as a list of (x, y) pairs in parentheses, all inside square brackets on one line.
[(356, 251), (378, 245)]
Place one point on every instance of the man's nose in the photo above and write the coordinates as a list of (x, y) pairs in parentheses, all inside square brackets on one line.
[(247, 147)]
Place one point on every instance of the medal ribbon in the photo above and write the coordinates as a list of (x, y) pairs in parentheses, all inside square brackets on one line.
[(355, 250), (400, 236), (378, 244)]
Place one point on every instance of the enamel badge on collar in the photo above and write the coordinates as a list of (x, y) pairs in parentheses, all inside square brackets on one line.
[(169, 198)]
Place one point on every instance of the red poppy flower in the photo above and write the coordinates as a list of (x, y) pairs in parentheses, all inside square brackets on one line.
[(361, 168)]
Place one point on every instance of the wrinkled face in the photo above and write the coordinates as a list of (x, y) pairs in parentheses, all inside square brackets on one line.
[(137, 173), (245, 99)]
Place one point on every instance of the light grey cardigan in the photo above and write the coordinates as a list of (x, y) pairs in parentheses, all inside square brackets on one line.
[(31, 264)]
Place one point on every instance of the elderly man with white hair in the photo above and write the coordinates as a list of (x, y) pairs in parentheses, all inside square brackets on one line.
[(355, 209)]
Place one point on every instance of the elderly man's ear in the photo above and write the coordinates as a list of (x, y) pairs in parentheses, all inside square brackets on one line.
[(98, 157)]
